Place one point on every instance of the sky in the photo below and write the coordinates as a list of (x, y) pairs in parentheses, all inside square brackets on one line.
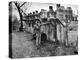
[(38, 6)]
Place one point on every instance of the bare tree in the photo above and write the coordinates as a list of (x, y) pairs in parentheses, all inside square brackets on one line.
[(21, 10), (20, 13)]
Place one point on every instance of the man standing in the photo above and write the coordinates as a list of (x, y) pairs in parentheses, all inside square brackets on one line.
[(37, 31)]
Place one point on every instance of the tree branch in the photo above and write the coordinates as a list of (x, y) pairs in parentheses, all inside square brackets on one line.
[(16, 3), (23, 4)]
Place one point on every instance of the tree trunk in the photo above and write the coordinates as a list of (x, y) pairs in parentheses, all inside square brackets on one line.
[(21, 26)]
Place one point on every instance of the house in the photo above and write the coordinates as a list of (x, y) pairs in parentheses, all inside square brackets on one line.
[(64, 14)]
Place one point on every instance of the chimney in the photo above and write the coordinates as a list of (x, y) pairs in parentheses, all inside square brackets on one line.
[(69, 8), (33, 12), (30, 13), (50, 8), (57, 5), (36, 11)]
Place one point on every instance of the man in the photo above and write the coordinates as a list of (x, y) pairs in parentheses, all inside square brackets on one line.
[(37, 32), (55, 22)]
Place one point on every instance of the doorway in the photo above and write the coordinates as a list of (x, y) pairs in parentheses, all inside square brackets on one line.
[(43, 37)]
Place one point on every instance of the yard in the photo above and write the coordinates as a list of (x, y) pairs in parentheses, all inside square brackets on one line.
[(24, 46)]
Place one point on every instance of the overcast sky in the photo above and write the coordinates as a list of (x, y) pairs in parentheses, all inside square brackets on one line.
[(39, 6)]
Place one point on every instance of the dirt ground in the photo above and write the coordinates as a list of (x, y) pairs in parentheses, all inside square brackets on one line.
[(23, 46)]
